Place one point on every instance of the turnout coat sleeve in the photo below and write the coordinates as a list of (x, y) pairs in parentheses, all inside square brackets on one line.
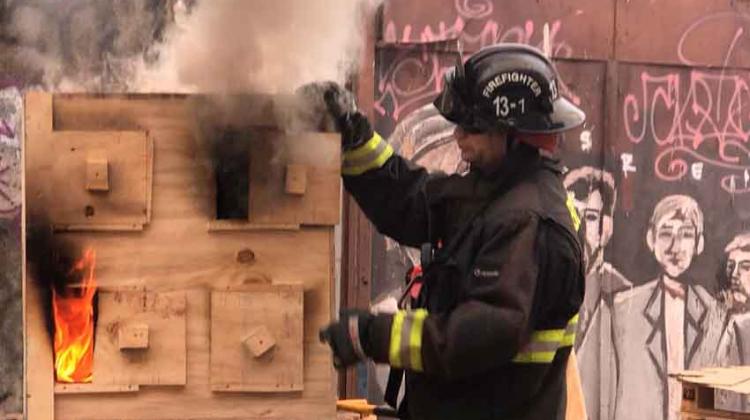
[(489, 326), (394, 197)]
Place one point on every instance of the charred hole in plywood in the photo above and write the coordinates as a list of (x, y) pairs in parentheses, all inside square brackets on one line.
[(64, 272), (232, 173)]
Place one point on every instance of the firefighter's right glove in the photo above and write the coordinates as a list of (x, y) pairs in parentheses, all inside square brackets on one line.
[(348, 337), (354, 127)]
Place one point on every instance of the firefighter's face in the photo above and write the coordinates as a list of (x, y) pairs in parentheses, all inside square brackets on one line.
[(482, 150)]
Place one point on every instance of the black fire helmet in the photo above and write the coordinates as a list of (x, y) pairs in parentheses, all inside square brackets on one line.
[(507, 87)]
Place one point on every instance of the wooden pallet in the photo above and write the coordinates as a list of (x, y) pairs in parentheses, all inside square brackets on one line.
[(698, 404)]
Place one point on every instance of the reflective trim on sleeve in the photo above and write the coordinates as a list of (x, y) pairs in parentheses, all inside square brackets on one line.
[(394, 352), (370, 155), (354, 335), (406, 340), (544, 344), (573, 213)]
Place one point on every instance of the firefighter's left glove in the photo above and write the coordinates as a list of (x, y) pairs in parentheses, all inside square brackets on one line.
[(354, 126), (348, 337)]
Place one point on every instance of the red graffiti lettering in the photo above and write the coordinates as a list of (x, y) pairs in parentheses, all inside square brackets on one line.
[(704, 118)]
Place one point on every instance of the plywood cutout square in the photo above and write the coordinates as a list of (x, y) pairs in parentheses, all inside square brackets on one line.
[(257, 339), (140, 339), (87, 180), (295, 179)]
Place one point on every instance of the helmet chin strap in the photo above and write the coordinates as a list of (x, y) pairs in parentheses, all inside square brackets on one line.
[(512, 140)]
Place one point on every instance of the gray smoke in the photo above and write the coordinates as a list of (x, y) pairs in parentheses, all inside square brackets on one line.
[(234, 46), (216, 46), (80, 45)]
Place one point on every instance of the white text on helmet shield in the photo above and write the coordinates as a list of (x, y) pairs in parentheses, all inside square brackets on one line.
[(513, 77)]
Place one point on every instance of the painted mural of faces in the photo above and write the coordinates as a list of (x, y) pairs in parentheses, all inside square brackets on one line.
[(594, 196), (738, 269), (675, 233)]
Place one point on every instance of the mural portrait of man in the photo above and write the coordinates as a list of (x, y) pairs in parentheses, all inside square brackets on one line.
[(734, 284), (667, 324), (594, 196)]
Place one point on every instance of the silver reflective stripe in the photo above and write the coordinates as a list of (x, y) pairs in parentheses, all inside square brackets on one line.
[(354, 336)]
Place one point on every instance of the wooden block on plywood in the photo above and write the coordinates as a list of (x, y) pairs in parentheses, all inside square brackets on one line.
[(164, 361), (68, 165), (133, 336), (236, 315), (296, 179), (319, 154), (260, 341), (97, 173)]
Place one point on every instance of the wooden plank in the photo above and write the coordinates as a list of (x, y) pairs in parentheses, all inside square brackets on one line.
[(234, 316), (40, 397), (94, 388), (164, 362), (39, 367), (176, 252), (241, 225)]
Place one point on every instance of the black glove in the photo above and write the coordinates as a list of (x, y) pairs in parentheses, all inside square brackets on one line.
[(354, 127), (348, 337)]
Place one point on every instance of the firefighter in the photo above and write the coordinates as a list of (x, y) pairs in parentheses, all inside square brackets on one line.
[(496, 316)]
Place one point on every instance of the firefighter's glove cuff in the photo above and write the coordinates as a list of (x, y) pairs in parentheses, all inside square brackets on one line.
[(354, 127), (347, 337)]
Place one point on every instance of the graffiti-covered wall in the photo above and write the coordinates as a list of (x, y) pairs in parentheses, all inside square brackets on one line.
[(660, 172), (11, 304)]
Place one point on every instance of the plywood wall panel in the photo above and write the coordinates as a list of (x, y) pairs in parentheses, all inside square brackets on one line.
[(177, 252)]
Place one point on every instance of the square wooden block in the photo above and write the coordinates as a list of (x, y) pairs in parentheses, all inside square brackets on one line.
[(258, 313), (97, 174), (296, 179), (259, 341), (133, 336)]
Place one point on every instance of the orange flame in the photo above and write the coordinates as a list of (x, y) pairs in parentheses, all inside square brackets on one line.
[(74, 324)]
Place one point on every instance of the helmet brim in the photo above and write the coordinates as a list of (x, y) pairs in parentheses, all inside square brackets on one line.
[(565, 116)]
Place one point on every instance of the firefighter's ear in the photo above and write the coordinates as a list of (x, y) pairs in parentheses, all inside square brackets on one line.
[(650, 238)]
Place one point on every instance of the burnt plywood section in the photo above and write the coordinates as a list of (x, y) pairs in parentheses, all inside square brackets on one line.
[(178, 252), (256, 339)]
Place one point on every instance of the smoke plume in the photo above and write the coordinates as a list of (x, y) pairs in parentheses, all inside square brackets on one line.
[(80, 45), (216, 46), (233, 46)]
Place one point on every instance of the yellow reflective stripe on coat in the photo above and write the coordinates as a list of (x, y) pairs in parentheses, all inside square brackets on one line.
[(406, 340), (370, 155), (573, 213), (544, 344)]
